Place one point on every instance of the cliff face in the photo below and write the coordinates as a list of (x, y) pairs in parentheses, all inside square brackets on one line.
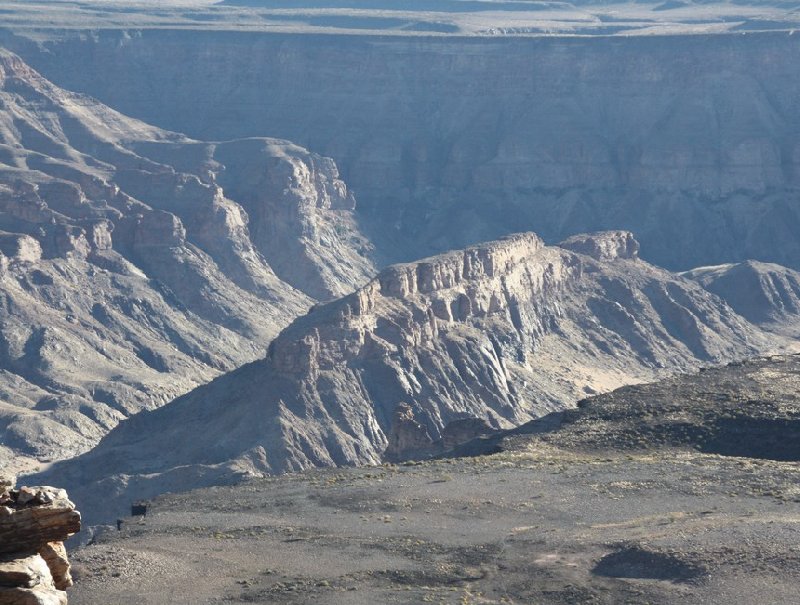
[(502, 332), (34, 522), (131, 274), (449, 141)]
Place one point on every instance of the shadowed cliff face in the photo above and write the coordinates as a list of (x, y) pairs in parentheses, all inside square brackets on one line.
[(502, 332), (130, 273), (762, 292), (691, 142)]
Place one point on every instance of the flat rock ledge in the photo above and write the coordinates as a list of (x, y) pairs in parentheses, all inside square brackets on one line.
[(34, 522)]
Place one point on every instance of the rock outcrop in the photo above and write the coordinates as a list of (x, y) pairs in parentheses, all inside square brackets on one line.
[(745, 409), (137, 264), (407, 438), (609, 245), (34, 522), (502, 333)]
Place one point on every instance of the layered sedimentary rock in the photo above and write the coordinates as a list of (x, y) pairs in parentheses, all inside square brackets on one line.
[(34, 522), (689, 141), (501, 332), (130, 272)]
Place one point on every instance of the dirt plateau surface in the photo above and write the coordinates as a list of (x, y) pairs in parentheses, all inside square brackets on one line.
[(539, 522)]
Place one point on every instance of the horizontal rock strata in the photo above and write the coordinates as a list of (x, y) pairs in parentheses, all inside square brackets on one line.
[(34, 522), (497, 334)]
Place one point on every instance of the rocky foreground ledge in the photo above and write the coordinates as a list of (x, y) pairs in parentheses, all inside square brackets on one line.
[(34, 522)]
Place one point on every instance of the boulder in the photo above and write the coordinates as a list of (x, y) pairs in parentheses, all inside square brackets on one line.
[(463, 430), (32, 596), (26, 572), (34, 521)]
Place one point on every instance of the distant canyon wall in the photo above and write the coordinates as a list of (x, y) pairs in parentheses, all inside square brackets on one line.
[(691, 142)]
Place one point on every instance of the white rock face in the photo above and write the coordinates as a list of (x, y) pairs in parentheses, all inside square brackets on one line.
[(131, 274), (502, 332), (609, 245)]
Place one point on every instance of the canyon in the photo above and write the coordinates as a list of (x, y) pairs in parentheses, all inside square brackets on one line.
[(130, 271), (497, 334), (550, 246), (450, 140)]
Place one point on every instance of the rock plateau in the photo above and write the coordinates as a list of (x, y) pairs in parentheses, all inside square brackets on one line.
[(690, 139)]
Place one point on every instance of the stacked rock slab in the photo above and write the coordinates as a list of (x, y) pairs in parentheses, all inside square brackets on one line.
[(34, 522)]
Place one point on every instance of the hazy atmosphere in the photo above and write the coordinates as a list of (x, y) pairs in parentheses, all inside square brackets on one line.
[(437, 301)]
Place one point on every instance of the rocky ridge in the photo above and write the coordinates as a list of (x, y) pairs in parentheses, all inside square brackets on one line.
[(137, 263), (34, 522), (746, 409), (764, 293), (503, 333)]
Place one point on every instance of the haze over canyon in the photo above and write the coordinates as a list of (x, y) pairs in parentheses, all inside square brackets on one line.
[(253, 238)]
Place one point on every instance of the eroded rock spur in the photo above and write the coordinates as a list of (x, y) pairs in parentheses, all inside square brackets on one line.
[(34, 522)]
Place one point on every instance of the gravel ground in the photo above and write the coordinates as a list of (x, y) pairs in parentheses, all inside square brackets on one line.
[(541, 526), (583, 513)]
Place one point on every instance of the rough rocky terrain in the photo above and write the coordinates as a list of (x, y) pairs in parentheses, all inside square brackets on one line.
[(676, 121), (504, 332), (764, 293), (34, 522), (137, 263), (635, 499)]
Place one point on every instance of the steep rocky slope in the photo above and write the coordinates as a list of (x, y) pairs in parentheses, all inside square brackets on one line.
[(689, 141), (131, 274), (762, 292), (504, 332)]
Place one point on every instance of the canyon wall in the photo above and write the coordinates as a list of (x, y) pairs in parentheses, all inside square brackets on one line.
[(490, 336), (136, 263), (691, 141)]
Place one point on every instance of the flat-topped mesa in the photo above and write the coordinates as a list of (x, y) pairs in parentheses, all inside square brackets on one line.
[(453, 268), (605, 245), (511, 278), (34, 522)]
